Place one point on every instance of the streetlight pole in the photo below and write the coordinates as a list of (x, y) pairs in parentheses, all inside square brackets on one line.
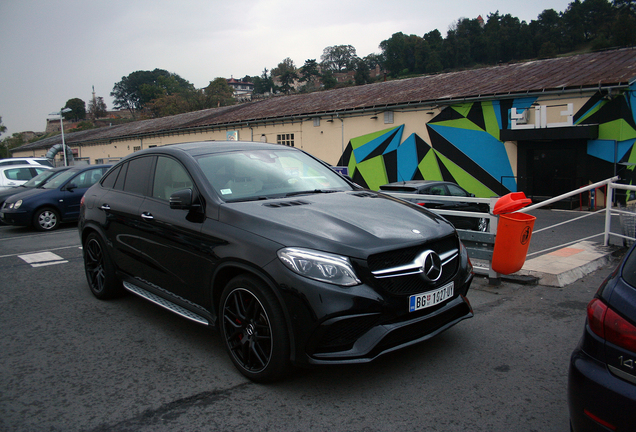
[(61, 114)]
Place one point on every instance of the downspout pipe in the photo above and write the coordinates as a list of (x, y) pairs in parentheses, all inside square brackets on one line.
[(341, 130)]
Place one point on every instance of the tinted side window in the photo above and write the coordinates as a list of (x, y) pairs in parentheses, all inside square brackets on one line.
[(88, 178), (111, 178), (170, 176), (121, 178), (455, 191), (436, 190), (629, 270), (139, 172)]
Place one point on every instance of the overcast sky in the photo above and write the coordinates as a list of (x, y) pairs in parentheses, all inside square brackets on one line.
[(55, 50)]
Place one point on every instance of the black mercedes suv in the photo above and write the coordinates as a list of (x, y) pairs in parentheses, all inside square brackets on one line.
[(292, 262)]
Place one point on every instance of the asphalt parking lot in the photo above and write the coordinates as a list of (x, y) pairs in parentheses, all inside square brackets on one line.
[(71, 362)]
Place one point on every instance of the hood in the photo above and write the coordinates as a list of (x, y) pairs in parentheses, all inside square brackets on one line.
[(26, 193), (6, 193), (355, 224)]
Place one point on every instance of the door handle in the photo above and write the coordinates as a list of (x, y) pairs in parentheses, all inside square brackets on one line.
[(147, 216), (105, 207)]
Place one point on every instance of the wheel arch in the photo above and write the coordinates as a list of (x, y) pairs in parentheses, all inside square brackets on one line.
[(231, 269)]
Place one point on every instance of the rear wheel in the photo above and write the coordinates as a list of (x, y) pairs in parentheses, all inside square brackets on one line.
[(99, 269), (253, 330), (46, 219)]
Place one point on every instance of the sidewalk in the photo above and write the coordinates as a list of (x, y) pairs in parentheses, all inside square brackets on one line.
[(564, 266)]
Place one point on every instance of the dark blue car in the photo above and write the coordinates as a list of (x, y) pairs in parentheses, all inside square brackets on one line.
[(54, 202), (602, 379)]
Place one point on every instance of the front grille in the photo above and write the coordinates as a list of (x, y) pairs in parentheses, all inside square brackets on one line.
[(400, 257), (408, 282)]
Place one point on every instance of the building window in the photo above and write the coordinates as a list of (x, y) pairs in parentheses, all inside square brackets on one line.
[(285, 139), (388, 117), (316, 121), (136, 148)]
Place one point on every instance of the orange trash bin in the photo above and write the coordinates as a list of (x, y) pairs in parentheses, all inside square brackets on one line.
[(514, 232)]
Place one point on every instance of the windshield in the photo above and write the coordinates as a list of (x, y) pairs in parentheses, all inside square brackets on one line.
[(41, 178), (261, 174)]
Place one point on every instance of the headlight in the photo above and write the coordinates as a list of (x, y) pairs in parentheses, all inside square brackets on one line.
[(17, 204), (321, 266)]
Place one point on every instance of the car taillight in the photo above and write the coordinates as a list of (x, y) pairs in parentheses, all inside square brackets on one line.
[(595, 315), (620, 332), (607, 324), (82, 201)]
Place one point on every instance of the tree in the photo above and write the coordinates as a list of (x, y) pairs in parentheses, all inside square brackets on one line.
[(5, 149), (309, 70), (14, 141), (97, 108), (339, 58), (287, 73), (218, 93), (328, 80), (137, 89), (362, 75), (264, 83), (78, 109)]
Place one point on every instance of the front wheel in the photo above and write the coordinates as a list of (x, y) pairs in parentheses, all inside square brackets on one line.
[(100, 273), (46, 219), (253, 330)]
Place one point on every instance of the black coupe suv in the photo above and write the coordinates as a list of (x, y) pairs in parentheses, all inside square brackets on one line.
[(292, 262)]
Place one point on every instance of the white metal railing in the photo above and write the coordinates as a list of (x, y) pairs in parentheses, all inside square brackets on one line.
[(609, 208), (489, 237)]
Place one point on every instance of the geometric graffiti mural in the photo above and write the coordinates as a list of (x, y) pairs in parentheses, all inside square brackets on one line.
[(465, 147)]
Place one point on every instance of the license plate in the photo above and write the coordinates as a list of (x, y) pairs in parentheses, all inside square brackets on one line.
[(424, 300)]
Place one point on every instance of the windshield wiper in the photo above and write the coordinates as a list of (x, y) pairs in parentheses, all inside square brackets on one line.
[(315, 191)]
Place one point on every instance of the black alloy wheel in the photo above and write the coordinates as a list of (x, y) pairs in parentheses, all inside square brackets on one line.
[(100, 273), (46, 219), (253, 330)]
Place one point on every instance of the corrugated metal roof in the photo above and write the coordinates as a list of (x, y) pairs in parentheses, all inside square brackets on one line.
[(583, 71)]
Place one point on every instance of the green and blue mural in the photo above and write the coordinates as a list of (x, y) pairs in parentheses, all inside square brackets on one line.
[(465, 145)]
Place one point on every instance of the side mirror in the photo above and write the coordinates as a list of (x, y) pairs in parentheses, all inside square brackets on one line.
[(181, 200), (70, 186)]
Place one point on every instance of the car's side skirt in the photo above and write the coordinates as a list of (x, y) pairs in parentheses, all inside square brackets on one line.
[(164, 303)]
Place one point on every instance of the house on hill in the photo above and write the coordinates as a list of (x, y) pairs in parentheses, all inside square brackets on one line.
[(543, 127)]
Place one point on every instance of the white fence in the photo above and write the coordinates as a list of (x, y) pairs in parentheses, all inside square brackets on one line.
[(480, 245)]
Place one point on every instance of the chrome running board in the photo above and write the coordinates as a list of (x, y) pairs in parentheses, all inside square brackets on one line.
[(167, 304)]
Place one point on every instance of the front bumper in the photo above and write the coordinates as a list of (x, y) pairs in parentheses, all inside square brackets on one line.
[(337, 325), (21, 218)]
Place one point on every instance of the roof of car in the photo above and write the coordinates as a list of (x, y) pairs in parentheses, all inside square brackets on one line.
[(412, 184), (209, 147), (3, 167), (83, 167)]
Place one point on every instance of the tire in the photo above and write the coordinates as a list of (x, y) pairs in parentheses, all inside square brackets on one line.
[(99, 269), (253, 329), (46, 219), (482, 224)]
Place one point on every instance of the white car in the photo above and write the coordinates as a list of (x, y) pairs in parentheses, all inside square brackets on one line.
[(15, 175), (26, 161)]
